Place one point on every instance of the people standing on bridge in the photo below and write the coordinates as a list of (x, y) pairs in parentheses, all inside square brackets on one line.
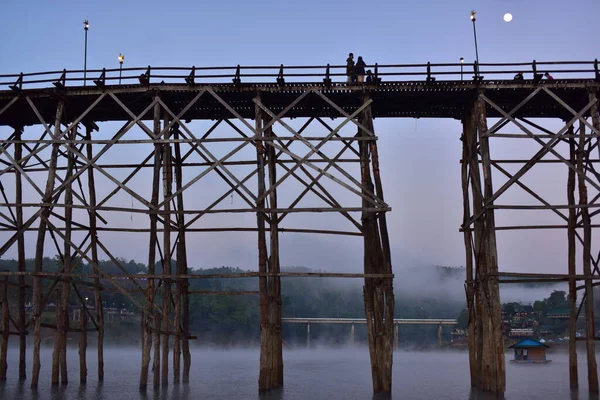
[(519, 76), (350, 68), (360, 69), (547, 75), (370, 77)]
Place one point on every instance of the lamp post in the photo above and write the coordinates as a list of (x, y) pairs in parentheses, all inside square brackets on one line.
[(121, 59), (475, 37), (462, 60), (86, 26)]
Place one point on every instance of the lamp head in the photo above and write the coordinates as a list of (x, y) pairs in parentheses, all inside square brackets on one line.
[(121, 58), (462, 60), (473, 15), (86, 25)]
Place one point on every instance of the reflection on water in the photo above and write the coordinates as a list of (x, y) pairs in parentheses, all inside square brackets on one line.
[(309, 374)]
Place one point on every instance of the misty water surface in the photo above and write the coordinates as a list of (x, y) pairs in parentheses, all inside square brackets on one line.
[(309, 374)]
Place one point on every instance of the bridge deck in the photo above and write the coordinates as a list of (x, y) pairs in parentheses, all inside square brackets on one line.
[(414, 99)]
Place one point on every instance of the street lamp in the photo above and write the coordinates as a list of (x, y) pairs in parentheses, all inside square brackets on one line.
[(86, 26), (121, 59), (462, 60), (475, 37)]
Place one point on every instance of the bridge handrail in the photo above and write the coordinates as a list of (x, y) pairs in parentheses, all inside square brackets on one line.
[(249, 74)]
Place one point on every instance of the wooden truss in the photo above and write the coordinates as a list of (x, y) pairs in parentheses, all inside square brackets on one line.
[(574, 146), (68, 159)]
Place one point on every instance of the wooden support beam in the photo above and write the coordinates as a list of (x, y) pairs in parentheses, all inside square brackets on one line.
[(167, 169), (5, 329), (586, 253), (92, 215), (493, 377), (572, 264), (20, 261), (469, 159), (39, 252)]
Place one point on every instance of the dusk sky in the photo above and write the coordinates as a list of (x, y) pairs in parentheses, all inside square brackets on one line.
[(419, 158)]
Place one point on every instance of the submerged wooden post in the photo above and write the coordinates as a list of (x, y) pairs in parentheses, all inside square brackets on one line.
[(82, 345), (39, 248), (149, 311), (182, 300), (378, 292), (264, 375), (94, 253), (274, 285), (5, 329), (352, 334), (439, 335), (166, 298), (468, 165), (492, 374), (573, 374), (20, 256), (308, 335), (59, 359), (587, 269)]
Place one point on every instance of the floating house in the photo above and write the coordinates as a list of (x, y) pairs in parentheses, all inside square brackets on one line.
[(530, 351)]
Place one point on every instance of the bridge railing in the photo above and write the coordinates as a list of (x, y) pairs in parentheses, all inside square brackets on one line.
[(282, 75)]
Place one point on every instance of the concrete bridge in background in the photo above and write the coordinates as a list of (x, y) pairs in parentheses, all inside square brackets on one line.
[(397, 321)]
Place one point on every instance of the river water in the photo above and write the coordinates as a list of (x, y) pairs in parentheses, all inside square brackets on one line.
[(309, 374)]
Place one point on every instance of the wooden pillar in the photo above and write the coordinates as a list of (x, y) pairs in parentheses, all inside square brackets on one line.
[(378, 292), (492, 374), (573, 374), (352, 334), (274, 285), (587, 269), (148, 314), (265, 370), (468, 164), (94, 253), (396, 336), (5, 329), (182, 299), (59, 359), (308, 335), (20, 256), (166, 298), (439, 335), (82, 346), (39, 248)]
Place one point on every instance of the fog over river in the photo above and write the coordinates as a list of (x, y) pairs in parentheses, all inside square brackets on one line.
[(322, 373)]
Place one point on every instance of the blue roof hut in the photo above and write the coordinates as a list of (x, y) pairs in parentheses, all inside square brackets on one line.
[(530, 351)]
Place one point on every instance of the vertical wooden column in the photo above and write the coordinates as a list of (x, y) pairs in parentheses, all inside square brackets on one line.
[(493, 374), (82, 345), (352, 334), (308, 335), (59, 360), (378, 292), (439, 335), (182, 299), (573, 374), (265, 370), (94, 253), (39, 248), (149, 309), (5, 329), (274, 285), (396, 336), (166, 298), (469, 162), (587, 268), (20, 256)]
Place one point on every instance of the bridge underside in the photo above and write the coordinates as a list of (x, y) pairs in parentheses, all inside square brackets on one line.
[(53, 154), (390, 100)]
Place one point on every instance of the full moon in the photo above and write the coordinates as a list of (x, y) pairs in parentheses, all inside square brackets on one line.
[(508, 17)]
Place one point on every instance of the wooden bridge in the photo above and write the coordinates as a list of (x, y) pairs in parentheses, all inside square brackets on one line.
[(53, 143)]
